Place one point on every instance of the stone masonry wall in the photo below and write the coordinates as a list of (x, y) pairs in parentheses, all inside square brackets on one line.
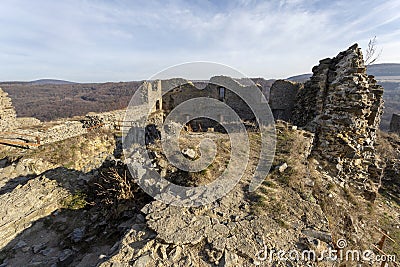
[(395, 123), (186, 90), (309, 103), (343, 106), (7, 112), (62, 131), (109, 119), (282, 99)]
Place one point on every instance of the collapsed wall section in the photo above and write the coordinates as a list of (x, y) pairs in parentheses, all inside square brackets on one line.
[(343, 106)]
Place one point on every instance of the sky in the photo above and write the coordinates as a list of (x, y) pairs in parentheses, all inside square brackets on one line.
[(122, 40)]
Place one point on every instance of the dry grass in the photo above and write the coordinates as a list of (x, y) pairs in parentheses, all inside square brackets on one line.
[(203, 177), (290, 148), (112, 187), (75, 202), (114, 191), (386, 145), (349, 215), (65, 153)]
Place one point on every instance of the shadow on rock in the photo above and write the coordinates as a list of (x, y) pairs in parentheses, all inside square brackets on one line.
[(65, 217)]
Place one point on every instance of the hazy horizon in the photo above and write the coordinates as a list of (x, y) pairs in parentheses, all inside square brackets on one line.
[(101, 41)]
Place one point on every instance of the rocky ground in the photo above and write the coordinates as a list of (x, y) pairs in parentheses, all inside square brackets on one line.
[(73, 203)]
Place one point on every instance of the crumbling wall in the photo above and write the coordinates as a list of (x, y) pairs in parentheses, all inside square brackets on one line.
[(107, 119), (7, 112), (395, 123), (186, 90), (282, 99), (235, 101), (60, 131), (343, 106), (310, 100), (27, 122)]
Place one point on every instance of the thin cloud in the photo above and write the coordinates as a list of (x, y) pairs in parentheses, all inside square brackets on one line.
[(128, 40)]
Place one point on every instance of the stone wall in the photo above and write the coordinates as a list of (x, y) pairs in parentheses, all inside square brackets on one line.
[(309, 103), (283, 98), (66, 129), (186, 90), (27, 122), (61, 131), (108, 119), (343, 106), (7, 112), (395, 123)]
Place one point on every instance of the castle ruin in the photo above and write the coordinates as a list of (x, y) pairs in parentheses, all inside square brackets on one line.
[(340, 104), (218, 87)]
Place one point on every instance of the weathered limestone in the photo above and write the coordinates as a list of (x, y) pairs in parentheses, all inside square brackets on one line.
[(395, 123), (282, 99), (7, 112), (343, 106), (224, 231), (36, 199)]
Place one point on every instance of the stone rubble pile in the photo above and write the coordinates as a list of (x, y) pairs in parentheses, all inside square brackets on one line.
[(224, 233), (343, 106), (92, 121)]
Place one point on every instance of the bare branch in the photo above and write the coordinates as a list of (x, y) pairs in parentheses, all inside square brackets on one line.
[(371, 54)]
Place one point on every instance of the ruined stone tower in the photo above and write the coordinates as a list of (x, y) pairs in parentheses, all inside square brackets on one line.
[(7, 112), (343, 106)]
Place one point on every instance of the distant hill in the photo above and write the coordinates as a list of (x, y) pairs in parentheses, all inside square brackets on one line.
[(40, 82), (300, 78), (384, 69), (49, 81), (388, 75), (48, 100)]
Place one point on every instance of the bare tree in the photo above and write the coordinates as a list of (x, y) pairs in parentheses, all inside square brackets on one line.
[(371, 54)]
